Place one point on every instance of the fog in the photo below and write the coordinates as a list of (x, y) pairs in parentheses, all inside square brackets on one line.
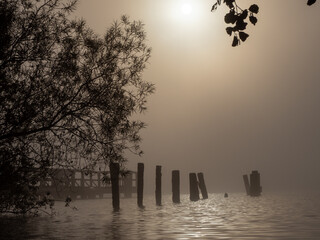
[(226, 111)]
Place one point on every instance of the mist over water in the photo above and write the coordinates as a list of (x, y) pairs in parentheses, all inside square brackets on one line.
[(272, 216), (217, 110)]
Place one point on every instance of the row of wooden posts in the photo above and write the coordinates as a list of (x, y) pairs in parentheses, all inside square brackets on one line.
[(196, 182)]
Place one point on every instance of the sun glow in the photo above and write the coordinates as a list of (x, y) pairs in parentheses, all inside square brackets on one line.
[(186, 9), (187, 16)]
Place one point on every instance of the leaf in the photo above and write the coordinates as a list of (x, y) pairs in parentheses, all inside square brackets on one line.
[(214, 7), (235, 42), (230, 17), (244, 14), (310, 2), (254, 8), (243, 36), (229, 30), (229, 3), (240, 25), (253, 20)]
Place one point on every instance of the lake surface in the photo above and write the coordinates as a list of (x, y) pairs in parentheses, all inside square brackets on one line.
[(271, 216)]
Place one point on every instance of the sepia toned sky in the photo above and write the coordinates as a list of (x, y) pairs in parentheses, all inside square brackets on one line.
[(221, 110)]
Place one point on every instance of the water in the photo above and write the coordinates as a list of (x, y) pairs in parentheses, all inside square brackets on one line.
[(271, 216)]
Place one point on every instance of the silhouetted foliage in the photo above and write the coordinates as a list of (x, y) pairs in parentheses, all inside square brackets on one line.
[(67, 96), (310, 2), (238, 17)]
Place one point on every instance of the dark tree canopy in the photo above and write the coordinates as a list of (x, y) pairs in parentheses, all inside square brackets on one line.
[(67, 95), (239, 17)]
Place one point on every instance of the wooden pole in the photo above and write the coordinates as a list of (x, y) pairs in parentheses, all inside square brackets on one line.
[(176, 186), (140, 184), (202, 186), (158, 185), (114, 172), (127, 184), (255, 188), (194, 190), (246, 183)]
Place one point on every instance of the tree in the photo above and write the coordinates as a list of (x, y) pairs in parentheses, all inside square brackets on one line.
[(238, 17), (67, 96)]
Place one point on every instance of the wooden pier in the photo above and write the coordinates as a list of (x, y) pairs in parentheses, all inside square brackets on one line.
[(80, 184)]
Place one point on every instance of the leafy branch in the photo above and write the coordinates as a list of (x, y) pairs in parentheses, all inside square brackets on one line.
[(310, 2), (238, 17)]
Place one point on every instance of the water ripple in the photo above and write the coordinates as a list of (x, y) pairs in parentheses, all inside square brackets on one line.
[(235, 217)]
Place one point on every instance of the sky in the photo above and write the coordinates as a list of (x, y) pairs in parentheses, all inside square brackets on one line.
[(221, 110)]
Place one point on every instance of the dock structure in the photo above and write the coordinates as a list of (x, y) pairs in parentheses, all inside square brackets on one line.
[(81, 184)]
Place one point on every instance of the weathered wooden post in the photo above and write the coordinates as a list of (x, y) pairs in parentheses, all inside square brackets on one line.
[(140, 184), (158, 185), (246, 183), (202, 186), (114, 173), (175, 186), (194, 190), (255, 188), (127, 184)]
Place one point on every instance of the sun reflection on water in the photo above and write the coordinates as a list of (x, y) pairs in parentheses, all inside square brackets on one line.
[(236, 217)]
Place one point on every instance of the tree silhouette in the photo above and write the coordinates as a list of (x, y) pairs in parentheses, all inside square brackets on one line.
[(239, 18), (67, 96)]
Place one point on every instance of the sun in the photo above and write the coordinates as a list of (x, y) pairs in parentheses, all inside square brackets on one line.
[(186, 8), (185, 13)]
